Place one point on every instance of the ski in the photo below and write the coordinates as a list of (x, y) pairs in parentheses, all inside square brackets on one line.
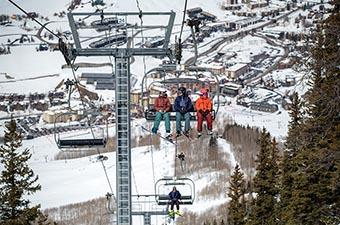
[(171, 216), (187, 136), (164, 138), (211, 134)]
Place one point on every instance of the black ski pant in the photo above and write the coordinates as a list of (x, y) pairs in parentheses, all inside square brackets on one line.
[(173, 203)]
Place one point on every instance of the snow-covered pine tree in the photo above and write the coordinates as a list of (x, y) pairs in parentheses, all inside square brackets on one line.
[(236, 209), (17, 181), (292, 145), (265, 183)]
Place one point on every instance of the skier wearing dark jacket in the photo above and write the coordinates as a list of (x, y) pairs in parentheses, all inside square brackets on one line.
[(174, 197), (183, 106)]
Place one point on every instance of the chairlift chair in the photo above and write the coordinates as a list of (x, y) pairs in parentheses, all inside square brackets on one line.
[(185, 185), (71, 142), (150, 113)]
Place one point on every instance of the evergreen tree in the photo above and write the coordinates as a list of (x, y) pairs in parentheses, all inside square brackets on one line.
[(236, 209), (17, 180), (43, 219), (265, 183), (293, 142), (315, 198), (275, 174)]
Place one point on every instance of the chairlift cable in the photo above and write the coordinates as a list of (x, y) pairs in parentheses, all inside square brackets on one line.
[(110, 57), (144, 71), (141, 31), (175, 158), (134, 181), (35, 20), (183, 20), (152, 159), (138, 6)]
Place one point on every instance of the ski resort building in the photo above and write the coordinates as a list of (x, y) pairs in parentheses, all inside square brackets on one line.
[(230, 89), (264, 107), (236, 70), (101, 81)]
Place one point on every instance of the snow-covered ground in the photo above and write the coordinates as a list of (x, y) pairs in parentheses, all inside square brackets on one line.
[(275, 123), (23, 68)]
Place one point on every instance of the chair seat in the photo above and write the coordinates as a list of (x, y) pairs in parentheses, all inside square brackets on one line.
[(185, 200), (74, 143)]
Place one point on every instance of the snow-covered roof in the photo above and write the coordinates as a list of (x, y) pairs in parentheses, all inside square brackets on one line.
[(214, 66), (237, 67), (216, 24), (248, 20), (234, 18), (136, 91), (157, 88), (231, 85)]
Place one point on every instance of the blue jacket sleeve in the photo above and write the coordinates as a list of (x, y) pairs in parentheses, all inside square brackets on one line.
[(190, 107), (179, 195)]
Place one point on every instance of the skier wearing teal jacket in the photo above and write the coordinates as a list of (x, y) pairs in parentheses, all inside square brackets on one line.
[(183, 106), (162, 107)]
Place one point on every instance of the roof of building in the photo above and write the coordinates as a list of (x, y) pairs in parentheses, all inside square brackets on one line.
[(248, 20), (136, 91), (237, 67), (231, 85), (102, 86), (207, 14), (216, 66), (180, 80), (196, 9)]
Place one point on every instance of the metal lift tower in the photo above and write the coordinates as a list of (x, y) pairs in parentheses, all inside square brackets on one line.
[(80, 24)]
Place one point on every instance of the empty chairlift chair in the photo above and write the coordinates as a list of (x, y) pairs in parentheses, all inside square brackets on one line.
[(93, 138)]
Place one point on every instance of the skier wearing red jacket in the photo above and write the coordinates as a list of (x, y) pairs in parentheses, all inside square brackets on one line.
[(204, 109)]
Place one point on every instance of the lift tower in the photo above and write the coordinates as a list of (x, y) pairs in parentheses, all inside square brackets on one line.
[(121, 32)]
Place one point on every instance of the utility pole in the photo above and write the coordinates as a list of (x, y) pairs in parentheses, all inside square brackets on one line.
[(122, 94)]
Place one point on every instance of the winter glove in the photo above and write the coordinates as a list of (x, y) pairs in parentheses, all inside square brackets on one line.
[(201, 111), (182, 110), (206, 112)]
